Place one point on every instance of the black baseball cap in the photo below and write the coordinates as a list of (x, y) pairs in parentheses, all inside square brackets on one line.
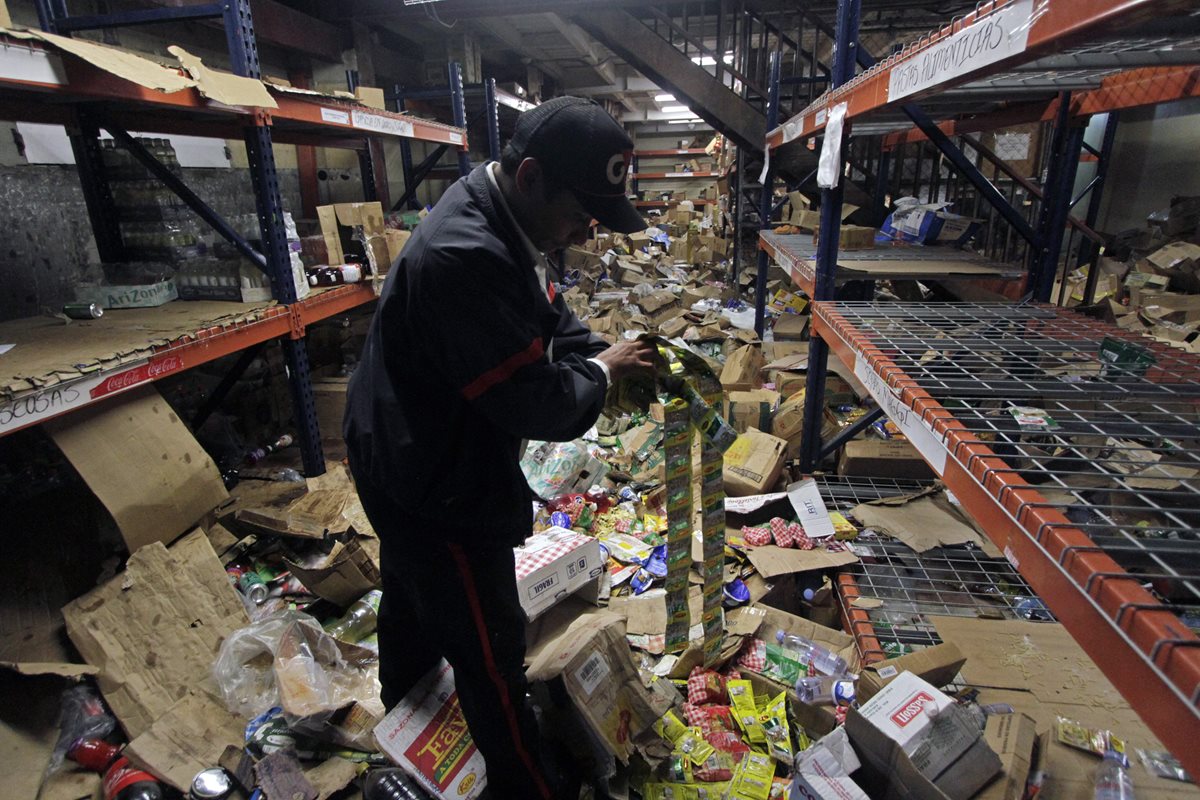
[(580, 146)]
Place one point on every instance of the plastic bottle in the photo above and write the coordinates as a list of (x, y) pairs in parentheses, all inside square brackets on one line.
[(392, 783), (259, 453), (816, 657), (122, 781), (359, 620), (1112, 778), (827, 689)]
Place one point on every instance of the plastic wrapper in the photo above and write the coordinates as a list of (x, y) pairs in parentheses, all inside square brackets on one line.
[(82, 716), (1164, 765), (745, 711), (774, 723), (325, 688), (557, 468)]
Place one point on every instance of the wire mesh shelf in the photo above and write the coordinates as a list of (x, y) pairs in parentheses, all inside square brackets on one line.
[(1076, 445), (947, 581)]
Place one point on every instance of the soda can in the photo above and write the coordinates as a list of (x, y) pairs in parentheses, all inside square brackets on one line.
[(211, 784), (253, 587), (83, 310)]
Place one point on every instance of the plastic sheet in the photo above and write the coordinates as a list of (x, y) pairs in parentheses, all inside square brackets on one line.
[(288, 660)]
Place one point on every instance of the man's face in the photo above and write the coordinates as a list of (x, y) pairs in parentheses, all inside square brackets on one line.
[(553, 216)]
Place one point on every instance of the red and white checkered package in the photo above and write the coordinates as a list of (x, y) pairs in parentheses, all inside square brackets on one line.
[(731, 674), (753, 655), (717, 767), (782, 532), (546, 548), (799, 537), (710, 719), (706, 686), (756, 537)]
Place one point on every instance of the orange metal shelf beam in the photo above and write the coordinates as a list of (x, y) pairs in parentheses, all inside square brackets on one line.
[(300, 116), (1131, 89), (1051, 27), (857, 622), (1118, 623), (798, 270)]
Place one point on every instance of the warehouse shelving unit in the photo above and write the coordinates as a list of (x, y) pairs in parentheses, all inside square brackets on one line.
[(636, 175), (1093, 495), (797, 255), (44, 82)]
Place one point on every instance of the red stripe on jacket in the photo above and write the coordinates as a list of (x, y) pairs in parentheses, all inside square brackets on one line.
[(504, 370)]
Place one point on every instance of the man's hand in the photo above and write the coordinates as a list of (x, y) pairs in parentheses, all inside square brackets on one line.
[(626, 357)]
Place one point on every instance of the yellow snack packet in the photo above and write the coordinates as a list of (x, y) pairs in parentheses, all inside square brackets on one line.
[(741, 696)]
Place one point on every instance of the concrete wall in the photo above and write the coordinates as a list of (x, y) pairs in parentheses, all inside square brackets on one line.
[(1154, 159)]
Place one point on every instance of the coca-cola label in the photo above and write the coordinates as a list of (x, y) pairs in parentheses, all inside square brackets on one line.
[(912, 708), (150, 371), (121, 775)]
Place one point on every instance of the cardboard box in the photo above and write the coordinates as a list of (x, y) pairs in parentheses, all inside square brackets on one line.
[(355, 228), (1013, 738), (876, 458), (594, 664), (928, 223), (345, 575), (1179, 261), (789, 419), (426, 735), (753, 409), (743, 369), (554, 564), (927, 745), (938, 665), (370, 96), (753, 463)]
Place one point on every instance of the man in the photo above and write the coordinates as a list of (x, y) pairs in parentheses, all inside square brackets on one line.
[(471, 352)]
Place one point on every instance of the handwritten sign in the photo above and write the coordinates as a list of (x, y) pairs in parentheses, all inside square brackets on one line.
[(993, 38), (919, 433), (378, 123)]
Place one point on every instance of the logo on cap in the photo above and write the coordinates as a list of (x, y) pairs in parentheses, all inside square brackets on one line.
[(616, 168)]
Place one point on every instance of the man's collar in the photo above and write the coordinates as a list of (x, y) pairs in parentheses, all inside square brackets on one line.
[(502, 203)]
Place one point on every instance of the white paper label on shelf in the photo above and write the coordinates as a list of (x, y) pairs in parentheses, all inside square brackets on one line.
[(365, 121), (36, 66), (335, 115), (455, 138), (1012, 557), (793, 128), (820, 119), (810, 509), (919, 433), (993, 38)]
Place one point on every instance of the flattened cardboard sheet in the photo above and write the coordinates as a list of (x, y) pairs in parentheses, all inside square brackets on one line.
[(143, 464), (155, 629)]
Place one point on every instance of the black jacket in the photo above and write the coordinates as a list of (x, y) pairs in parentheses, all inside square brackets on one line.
[(455, 372)]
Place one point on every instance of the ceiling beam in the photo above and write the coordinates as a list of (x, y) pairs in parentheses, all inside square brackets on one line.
[(451, 10), (618, 85), (507, 33), (588, 48)]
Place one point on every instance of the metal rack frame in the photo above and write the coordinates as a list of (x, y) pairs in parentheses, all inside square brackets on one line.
[(150, 110), (1094, 509), (1063, 503), (457, 91)]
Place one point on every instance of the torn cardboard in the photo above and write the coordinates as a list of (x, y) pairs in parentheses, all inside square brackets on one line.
[(142, 463), (595, 665), (189, 737), (155, 629), (314, 515), (922, 522), (772, 561), (341, 577), (224, 87), (122, 63)]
